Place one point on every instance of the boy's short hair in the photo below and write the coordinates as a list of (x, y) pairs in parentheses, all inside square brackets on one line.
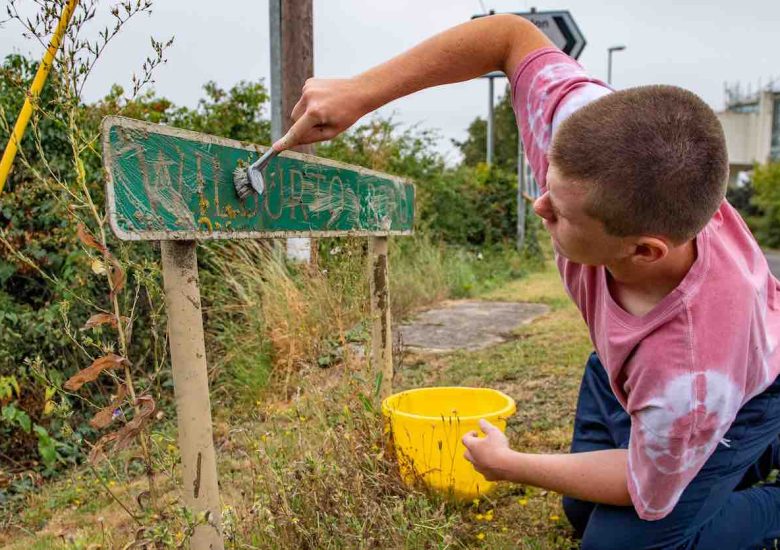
[(655, 157)]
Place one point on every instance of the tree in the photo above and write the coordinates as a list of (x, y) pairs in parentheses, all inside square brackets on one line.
[(766, 185), (474, 146)]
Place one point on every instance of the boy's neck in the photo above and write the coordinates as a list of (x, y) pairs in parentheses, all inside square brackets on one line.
[(639, 289)]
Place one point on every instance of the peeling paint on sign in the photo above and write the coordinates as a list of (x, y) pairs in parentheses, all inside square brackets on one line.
[(165, 183)]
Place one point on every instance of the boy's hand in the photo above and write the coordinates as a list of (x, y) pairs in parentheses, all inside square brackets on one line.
[(488, 454), (327, 107)]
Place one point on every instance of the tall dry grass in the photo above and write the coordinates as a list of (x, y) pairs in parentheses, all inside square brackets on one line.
[(268, 319)]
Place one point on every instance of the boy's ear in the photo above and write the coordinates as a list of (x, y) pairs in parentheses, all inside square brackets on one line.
[(648, 250)]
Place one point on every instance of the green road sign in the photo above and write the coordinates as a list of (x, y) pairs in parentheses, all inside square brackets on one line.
[(165, 183)]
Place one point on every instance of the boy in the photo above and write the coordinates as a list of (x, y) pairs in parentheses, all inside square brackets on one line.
[(679, 410)]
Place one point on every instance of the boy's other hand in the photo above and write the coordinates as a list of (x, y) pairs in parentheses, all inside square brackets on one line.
[(488, 454), (326, 108)]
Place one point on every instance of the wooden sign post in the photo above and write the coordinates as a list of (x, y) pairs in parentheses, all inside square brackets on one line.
[(176, 186)]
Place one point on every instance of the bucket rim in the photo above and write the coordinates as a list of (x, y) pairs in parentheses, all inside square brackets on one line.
[(505, 412)]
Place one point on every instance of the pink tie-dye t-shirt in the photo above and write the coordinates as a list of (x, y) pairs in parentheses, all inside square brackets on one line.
[(683, 370)]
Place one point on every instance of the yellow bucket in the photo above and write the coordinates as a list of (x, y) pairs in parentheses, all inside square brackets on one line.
[(426, 426)]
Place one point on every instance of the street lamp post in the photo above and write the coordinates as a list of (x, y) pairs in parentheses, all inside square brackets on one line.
[(609, 60)]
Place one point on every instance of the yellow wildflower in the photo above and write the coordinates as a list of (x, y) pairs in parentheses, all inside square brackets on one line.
[(475, 502), (522, 501), (504, 529), (489, 515), (480, 517), (553, 517), (480, 536), (48, 408)]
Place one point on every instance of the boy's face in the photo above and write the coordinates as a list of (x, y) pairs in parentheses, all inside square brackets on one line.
[(575, 235)]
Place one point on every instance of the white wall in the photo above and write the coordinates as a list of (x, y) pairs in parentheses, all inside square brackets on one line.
[(748, 135)]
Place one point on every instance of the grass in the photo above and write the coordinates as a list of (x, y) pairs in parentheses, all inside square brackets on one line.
[(310, 469)]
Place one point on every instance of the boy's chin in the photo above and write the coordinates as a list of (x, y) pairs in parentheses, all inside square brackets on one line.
[(558, 250)]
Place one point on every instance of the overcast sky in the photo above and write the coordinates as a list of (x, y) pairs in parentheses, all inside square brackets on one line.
[(694, 44)]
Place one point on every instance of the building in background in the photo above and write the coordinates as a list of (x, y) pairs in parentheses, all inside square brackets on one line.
[(751, 122)]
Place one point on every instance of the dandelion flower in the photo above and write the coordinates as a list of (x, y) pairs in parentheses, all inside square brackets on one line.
[(554, 517), (480, 517), (522, 501), (480, 536), (489, 516)]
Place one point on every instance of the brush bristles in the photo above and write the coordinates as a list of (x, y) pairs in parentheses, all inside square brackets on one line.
[(241, 183)]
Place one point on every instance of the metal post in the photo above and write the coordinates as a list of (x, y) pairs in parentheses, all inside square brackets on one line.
[(520, 192), (191, 390), (275, 18), (295, 65), (490, 122), (381, 333)]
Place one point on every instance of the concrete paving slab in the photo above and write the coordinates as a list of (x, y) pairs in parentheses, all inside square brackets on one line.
[(467, 324)]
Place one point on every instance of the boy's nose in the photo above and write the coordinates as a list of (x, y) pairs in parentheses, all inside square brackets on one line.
[(542, 207)]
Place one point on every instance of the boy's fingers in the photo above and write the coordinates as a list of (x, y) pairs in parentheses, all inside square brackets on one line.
[(487, 427), (469, 438), (467, 456), (294, 134), (298, 110)]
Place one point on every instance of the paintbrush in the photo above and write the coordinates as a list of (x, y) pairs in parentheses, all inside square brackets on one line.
[(248, 180)]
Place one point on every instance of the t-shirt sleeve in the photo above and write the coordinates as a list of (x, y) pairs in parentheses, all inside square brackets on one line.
[(674, 430), (547, 87)]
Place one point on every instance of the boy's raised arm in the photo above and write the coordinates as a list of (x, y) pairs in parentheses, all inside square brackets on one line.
[(495, 43)]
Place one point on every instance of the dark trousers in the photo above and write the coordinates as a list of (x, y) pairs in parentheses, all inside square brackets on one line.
[(721, 509)]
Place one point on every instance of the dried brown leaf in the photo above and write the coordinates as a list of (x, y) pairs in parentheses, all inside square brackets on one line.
[(89, 240), (97, 453), (117, 274), (105, 416), (129, 431), (103, 319), (125, 435), (118, 278), (110, 361), (100, 319)]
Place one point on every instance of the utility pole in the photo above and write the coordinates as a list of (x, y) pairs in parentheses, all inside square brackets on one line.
[(521, 186), (490, 120), (292, 62)]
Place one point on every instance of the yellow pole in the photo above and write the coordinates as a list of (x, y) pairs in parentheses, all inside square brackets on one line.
[(40, 78)]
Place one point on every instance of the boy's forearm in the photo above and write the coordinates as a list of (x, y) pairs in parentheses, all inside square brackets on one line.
[(597, 476), (495, 43)]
